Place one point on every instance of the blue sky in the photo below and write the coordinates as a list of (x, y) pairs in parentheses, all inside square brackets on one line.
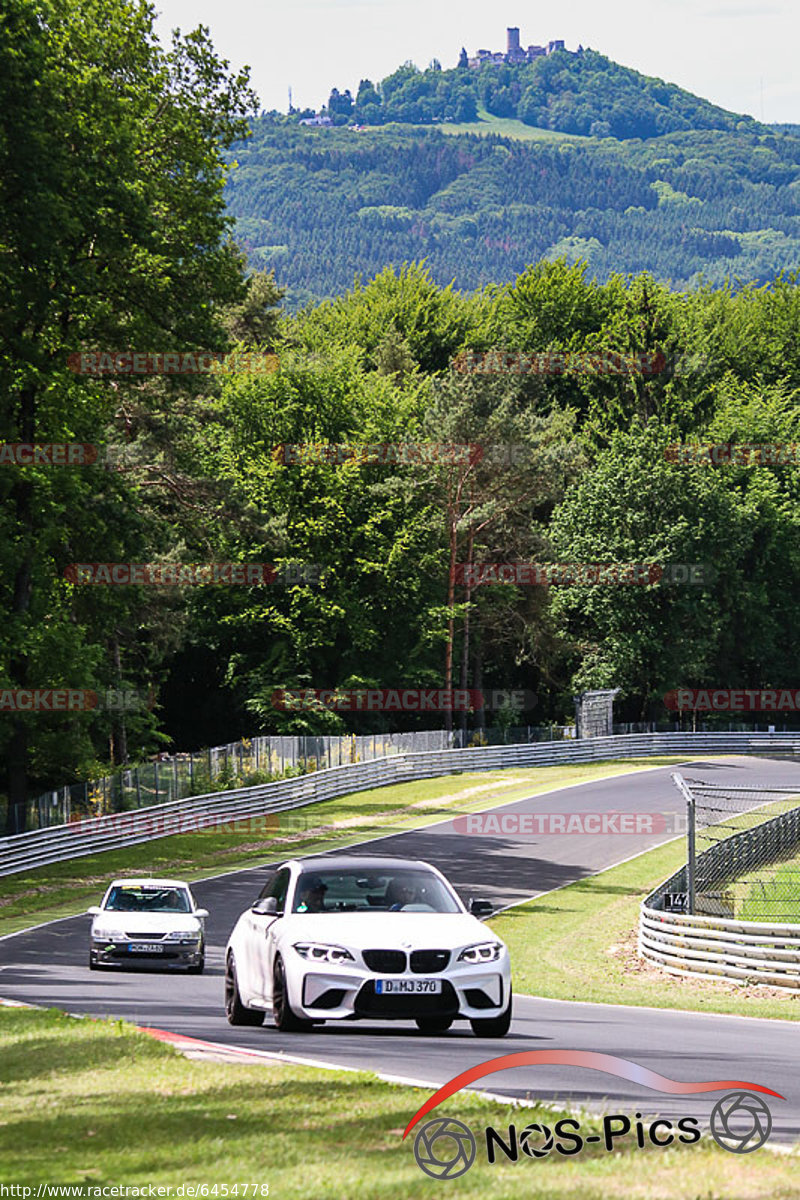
[(736, 54)]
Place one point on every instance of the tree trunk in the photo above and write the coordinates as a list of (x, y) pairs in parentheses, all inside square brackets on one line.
[(119, 734), (451, 588), (480, 715), (465, 647), (22, 500)]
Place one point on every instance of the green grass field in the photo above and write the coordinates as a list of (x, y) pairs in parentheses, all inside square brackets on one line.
[(579, 943), (486, 124), (766, 893), (773, 896), (65, 888), (97, 1103)]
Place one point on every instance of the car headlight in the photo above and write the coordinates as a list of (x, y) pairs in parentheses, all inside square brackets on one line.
[(181, 935), (319, 952), (109, 935), (481, 953)]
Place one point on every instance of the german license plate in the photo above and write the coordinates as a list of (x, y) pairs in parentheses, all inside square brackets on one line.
[(145, 948), (407, 987)]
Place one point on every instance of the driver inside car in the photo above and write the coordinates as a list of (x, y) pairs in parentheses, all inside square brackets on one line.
[(312, 895), (400, 893)]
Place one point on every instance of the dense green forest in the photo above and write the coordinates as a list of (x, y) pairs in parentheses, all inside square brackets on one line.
[(575, 92), (319, 206), (128, 248)]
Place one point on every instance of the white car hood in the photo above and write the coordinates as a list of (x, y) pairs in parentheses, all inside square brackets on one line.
[(386, 930), (133, 922)]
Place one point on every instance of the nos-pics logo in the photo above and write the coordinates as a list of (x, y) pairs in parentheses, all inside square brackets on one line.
[(446, 1148)]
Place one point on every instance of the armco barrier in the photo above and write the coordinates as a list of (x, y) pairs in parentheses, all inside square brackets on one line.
[(25, 851), (717, 948), (765, 952)]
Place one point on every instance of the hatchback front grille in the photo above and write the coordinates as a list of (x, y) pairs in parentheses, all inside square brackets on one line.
[(392, 962)]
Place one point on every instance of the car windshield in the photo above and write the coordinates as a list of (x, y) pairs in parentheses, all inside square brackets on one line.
[(372, 891), (140, 898)]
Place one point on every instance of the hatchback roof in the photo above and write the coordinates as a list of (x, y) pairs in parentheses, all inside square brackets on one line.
[(147, 882)]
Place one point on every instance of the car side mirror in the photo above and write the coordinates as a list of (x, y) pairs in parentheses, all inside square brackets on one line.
[(94, 911), (266, 908), (201, 912), (480, 908)]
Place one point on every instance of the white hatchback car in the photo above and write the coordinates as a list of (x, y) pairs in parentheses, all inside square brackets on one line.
[(148, 921), (346, 937)]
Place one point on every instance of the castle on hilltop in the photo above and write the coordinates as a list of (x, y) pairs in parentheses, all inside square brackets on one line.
[(514, 52)]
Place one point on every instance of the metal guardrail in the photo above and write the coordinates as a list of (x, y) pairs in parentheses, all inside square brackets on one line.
[(26, 851), (716, 947)]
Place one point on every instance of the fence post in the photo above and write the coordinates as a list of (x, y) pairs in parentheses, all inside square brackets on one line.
[(685, 791), (690, 857), (155, 775)]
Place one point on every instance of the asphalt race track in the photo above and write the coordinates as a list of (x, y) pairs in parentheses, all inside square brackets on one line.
[(48, 966)]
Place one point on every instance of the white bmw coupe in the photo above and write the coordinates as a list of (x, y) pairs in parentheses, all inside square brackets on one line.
[(345, 937)]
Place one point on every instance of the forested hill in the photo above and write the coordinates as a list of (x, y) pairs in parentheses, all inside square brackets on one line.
[(582, 92), (320, 205)]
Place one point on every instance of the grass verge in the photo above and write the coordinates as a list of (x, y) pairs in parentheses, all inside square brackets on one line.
[(64, 888), (579, 943), (97, 1103)]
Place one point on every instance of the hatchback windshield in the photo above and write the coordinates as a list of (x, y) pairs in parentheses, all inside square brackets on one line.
[(135, 898), (370, 891)]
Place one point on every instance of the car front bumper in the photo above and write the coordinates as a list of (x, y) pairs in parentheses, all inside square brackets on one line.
[(338, 993), (169, 954)]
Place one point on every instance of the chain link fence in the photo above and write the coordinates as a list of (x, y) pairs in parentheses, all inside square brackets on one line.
[(743, 852), (267, 759)]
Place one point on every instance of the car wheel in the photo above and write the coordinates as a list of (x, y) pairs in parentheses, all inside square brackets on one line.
[(431, 1025), (282, 1013), (492, 1027), (236, 1012)]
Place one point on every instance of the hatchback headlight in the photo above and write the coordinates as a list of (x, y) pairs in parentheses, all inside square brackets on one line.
[(319, 952), (481, 953), (109, 935)]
